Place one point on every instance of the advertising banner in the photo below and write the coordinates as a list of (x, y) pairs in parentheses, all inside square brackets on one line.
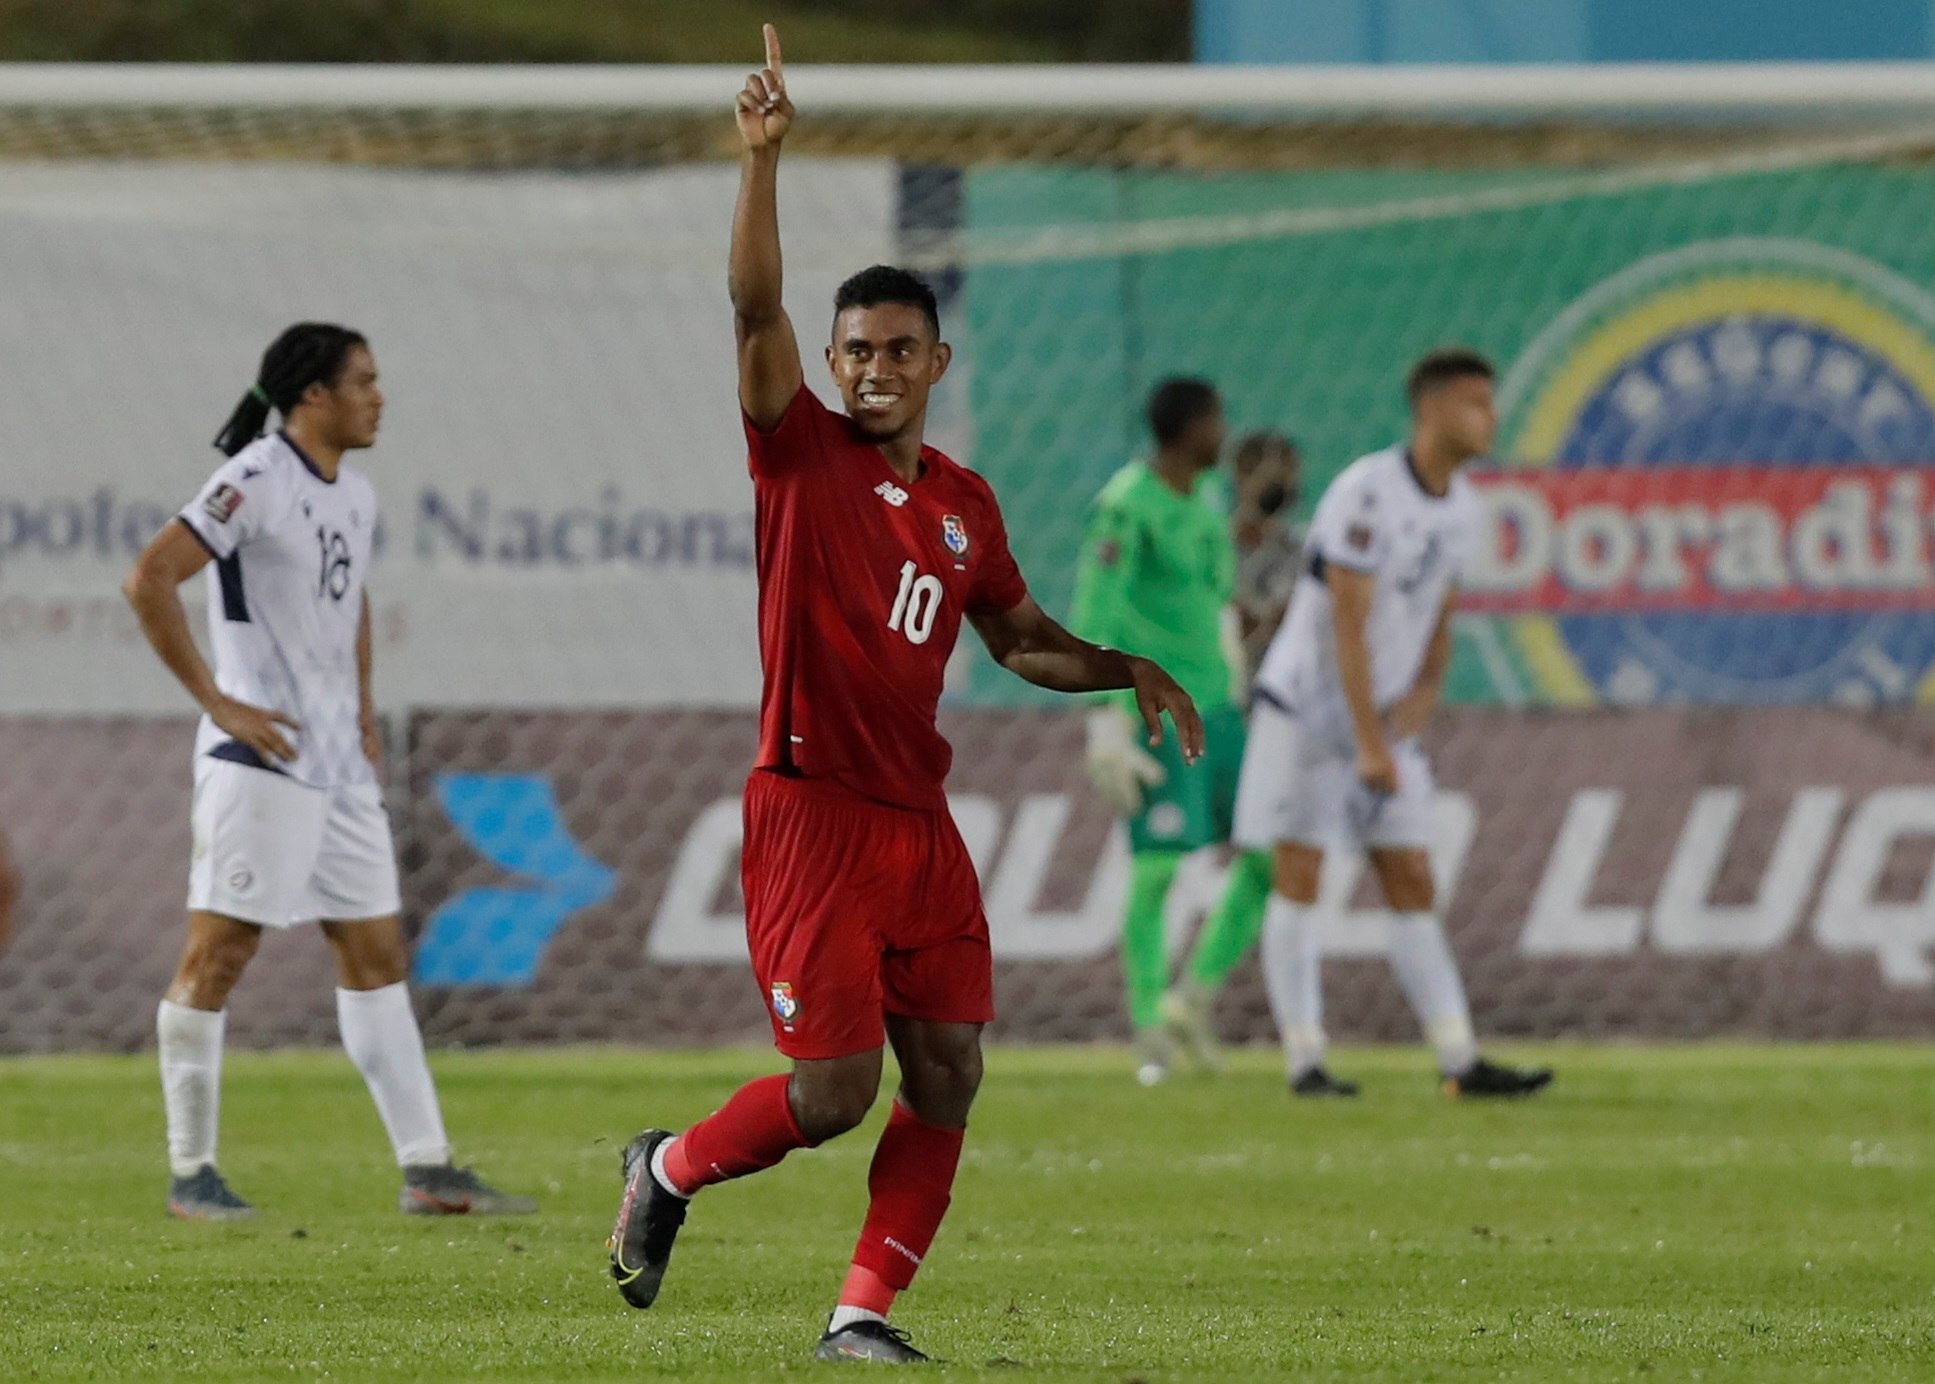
[(1667, 873), (1715, 469)]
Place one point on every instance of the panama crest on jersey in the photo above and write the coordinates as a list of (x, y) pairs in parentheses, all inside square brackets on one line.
[(784, 1004), (954, 534)]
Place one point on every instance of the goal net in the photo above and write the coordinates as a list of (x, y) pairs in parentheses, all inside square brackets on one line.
[(1682, 768)]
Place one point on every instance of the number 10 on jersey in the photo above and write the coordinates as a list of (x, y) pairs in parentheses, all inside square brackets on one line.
[(916, 603)]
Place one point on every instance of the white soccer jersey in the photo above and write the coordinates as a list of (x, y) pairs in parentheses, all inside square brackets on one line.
[(285, 595), (1376, 518)]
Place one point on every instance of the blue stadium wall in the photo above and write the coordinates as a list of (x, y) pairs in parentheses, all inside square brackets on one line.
[(1503, 31)]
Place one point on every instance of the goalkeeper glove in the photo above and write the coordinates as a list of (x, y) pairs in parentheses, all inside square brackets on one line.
[(1119, 768)]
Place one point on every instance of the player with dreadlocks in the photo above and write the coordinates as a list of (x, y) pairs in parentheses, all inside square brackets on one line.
[(288, 816)]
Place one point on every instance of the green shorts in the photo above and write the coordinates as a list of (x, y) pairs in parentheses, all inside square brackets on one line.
[(1194, 805)]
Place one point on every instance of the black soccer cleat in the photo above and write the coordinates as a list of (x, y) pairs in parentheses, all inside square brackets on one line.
[(204, 1196), (648, 1222), (1316, 1083), (438, 1189), (873, 1342), (1489, 1080)]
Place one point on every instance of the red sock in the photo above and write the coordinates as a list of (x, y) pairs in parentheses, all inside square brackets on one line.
[(868, 1291), (911, 1182), (753, 1130)]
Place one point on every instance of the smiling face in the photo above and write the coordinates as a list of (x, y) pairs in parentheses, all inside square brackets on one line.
[(885, 359)]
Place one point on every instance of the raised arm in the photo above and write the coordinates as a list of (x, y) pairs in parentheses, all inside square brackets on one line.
[(1408, 717), (1350, 595), (153, 589), (1029, 644), (769, 356)]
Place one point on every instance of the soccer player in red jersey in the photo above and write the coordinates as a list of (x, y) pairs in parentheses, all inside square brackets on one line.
[(863, 914)]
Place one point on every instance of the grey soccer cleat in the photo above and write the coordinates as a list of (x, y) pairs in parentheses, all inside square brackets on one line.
[(1187, 1012), (204, 1196), (438, 1189), (873, 1342), (648, 1222)]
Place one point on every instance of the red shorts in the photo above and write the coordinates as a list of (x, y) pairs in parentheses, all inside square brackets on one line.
[(856, 910)]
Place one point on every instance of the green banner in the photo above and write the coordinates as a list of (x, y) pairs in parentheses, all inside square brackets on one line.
[(1717, 396)]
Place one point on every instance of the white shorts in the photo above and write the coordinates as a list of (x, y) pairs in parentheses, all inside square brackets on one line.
[(273, 851), (1303, 789)]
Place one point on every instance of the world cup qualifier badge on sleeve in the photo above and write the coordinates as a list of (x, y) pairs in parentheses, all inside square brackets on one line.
[(222, 502), (1718, 485)]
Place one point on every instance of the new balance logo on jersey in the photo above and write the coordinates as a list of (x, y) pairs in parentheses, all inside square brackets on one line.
[(891, 493)]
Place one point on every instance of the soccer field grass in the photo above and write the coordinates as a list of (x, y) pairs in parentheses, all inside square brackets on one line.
[(1719, 1212)]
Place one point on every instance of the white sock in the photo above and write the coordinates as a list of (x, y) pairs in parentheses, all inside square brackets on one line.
[(381, 1036), (847, 1316), (663, 1178), (1428, 972), (1293, 976), (191, 1082)]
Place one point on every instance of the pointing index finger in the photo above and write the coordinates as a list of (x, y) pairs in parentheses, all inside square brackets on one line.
[(773, 59)]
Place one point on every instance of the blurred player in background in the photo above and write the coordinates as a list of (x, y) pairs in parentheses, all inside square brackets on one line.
[(1157, 571), (863, 914), (1269, 539), (288, 815), (1347, 685)]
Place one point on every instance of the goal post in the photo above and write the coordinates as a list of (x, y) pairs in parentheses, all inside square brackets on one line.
[(1709, 292)]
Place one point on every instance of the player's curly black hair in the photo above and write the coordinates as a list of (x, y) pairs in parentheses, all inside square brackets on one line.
[(305, 354), (1177, 404), (883, 283)]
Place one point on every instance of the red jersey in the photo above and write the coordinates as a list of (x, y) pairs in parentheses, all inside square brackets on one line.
[(863, 580)]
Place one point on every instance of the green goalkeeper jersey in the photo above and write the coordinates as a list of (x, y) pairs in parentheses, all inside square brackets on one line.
[(1156, 570)]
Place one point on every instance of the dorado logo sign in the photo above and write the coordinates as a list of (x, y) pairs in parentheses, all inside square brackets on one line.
[(1719, 485)]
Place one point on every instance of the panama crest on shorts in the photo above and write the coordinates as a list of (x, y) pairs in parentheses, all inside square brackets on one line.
[(784, 1004)]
